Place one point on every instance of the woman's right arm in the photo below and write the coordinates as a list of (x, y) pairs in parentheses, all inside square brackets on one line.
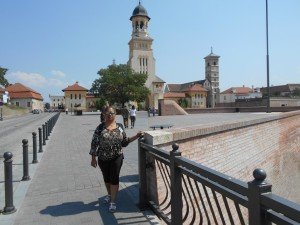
[(94, 146)]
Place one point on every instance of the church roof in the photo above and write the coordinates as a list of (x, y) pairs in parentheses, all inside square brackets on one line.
[(139, 11), (195, 88), (211, 55), (185, 86), (158, 80), (238, 90)]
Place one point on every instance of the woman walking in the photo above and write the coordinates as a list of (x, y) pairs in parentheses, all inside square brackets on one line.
[(132, 116), (108, 140)]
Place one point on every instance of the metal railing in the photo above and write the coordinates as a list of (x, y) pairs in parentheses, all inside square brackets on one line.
[(194, 194)]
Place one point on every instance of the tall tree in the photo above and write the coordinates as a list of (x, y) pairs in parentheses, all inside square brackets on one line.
[(3, 81), (120, 84)]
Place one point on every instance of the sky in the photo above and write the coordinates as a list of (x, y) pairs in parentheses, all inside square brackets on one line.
[(50, 44)]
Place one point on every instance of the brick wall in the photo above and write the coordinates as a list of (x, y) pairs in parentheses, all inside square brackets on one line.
[(236, 149)]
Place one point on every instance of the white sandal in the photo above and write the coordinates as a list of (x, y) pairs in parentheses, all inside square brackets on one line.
[(107, 199), (112, 207)]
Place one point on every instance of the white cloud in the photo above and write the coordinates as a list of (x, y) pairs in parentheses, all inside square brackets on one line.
[(34, 80), (29, 79), (58, 73)]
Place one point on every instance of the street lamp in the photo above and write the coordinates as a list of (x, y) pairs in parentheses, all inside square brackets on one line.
[(268, 79)]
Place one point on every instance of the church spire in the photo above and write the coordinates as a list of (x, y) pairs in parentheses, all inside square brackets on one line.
[(211, 50)]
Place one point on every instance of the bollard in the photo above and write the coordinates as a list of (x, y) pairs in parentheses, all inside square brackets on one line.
[(47, 130), (34, 160), (9, 205), (40, 140), (44, 134), (25, 161)]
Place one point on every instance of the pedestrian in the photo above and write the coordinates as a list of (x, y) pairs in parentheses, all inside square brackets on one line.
[(132, 116), (108, 140), (149, 111), (125, 115), (67, 110), (153, 111)]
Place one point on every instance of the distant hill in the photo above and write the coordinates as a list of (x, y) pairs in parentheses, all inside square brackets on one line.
[(12, 111)]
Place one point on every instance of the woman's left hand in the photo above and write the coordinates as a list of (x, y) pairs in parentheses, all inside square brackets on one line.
[(140, 134)]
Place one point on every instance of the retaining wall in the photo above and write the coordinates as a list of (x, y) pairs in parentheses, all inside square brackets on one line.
[(236, 149)]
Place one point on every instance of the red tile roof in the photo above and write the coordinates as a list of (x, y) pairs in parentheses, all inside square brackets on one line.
[(238, 90), (17, 91), (75, 87), (194, 88), (2, 90), (174, 95)]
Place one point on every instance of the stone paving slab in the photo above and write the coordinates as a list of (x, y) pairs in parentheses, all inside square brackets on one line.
[(65, 189)]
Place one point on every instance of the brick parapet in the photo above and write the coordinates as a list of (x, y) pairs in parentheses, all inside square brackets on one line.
[(162, 137), (236, 149)]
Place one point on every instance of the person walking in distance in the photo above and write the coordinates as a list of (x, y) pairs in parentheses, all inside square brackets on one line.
[(132, 116), (107, 144), (125, 115)]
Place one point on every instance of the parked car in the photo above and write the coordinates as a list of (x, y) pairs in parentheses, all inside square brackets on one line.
[(36, 111)]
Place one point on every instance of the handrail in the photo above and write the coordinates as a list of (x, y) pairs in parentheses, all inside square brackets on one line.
[(193, 189), (281, 205)]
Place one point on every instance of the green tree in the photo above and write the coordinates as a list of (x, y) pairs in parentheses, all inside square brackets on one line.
[(3, 81), (296, 92), (100, 103), (120, 84), (183, 102)]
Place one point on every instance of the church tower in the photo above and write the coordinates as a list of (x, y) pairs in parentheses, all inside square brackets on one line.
[(141, 57), (212, 75)]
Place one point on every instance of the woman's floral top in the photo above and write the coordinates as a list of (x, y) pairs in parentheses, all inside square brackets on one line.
[(108, 144)]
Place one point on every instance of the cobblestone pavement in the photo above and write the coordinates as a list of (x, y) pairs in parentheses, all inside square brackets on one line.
[(65, 189)]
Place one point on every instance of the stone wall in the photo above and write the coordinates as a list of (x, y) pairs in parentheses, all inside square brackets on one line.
[(236, 149), (170, 107)]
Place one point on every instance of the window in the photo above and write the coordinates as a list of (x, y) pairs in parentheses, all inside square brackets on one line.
[(79, 96), (224, 97), (75, 96), (71, 96), (28, 104), (17, 104)]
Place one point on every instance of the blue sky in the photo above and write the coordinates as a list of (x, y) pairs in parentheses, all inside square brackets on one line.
[(47, 45)]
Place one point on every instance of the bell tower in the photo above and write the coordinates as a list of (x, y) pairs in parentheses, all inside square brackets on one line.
[(212, 75), (141, 57)]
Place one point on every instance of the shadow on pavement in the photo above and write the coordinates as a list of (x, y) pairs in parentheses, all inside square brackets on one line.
[(69, 208), (130, 178)]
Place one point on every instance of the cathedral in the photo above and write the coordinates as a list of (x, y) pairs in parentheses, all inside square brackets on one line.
[(141, 60)]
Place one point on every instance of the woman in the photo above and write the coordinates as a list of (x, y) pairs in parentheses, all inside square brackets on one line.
[(108, 140), (132, 116)]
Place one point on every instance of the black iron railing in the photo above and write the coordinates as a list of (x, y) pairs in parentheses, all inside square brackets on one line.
[(190, 193)]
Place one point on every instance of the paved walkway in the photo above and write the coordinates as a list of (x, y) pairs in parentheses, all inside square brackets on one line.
[(65, 189)]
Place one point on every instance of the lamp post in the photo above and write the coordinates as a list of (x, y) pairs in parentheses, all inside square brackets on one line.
[(268, 79)]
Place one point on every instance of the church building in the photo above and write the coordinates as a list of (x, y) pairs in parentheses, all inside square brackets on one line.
[(141, 57)]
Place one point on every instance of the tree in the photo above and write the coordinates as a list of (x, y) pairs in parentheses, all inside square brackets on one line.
[(120, 84), (3, 81)]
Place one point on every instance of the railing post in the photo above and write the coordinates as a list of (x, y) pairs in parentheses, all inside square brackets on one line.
[(142, 175), (40, 140), (176, 187), (256, 188), (34, 160), (25, 161), (8, 179), (44, 134)]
